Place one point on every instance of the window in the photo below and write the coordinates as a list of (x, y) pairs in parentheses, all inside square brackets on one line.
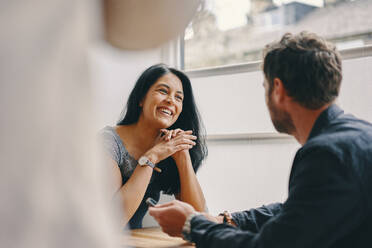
[(225, 32)]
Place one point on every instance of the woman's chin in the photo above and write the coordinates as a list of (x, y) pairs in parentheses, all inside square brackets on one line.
[(163, 124)]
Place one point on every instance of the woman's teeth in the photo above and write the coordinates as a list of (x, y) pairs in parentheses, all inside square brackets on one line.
[(166, 111)]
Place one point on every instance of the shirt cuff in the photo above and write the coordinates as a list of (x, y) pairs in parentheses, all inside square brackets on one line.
[(236, 216), (186, 229)]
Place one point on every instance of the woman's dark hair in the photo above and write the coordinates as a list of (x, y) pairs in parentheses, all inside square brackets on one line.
[(309, 67), (189, 119)]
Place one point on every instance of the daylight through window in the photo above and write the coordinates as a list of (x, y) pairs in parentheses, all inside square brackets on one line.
[(226, 32)]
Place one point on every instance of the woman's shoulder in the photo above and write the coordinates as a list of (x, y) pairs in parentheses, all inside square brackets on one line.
[(109, 133), (115, 146), (113, 143), (107, 129)]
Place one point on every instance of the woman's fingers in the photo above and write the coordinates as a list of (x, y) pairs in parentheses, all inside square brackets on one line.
[(173, 133), (185, 136), (180, 131), (169, 134), (183, 147), (172, 141), (166, 134), (184, 141), (176, 132), (163, 133)]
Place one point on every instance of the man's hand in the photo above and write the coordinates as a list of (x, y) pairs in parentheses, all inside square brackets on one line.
[(171, 216)]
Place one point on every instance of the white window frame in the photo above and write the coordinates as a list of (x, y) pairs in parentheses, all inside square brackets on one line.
[(352, 53)]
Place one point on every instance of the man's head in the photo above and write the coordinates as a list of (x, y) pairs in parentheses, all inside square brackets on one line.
[(307, 67)]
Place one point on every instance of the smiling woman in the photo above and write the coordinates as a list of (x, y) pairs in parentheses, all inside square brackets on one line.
[(163, 103), (161, 127)]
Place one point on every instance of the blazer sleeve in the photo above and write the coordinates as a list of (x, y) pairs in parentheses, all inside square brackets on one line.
[(253, 219)]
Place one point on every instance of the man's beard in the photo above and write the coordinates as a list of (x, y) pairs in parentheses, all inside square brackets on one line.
[(281, 120)]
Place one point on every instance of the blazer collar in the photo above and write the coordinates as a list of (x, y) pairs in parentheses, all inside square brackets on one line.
[(324, 119)]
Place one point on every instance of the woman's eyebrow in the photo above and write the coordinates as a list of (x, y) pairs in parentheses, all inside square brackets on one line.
[(167, 86), (163, 85)]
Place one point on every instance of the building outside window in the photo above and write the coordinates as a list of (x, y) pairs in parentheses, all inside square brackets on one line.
[(225, 32)]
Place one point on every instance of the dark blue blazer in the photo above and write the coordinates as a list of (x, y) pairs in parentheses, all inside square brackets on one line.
[(329, 201)]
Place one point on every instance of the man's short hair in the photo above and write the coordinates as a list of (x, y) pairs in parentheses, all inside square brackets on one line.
[(309, 67)]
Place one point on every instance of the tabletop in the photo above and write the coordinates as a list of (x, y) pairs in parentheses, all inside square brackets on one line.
[(153, 237)]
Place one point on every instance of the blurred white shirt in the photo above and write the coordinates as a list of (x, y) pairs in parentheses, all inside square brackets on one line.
[(52, 187)]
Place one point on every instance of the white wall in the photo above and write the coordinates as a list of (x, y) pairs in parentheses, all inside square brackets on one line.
[(232, 103), (242, 174), (356, 90)]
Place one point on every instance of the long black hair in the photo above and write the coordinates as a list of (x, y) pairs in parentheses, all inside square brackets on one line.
[(189, 119)]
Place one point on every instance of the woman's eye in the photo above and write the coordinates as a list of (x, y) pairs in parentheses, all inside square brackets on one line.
[(163, 91), (179, 98)]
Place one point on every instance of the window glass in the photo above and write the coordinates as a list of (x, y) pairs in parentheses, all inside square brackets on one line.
[(225, 32)]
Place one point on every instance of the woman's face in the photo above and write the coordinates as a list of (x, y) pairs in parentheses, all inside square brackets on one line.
[(163, 102)]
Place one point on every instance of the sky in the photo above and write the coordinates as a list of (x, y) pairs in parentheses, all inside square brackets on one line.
[(232, 13)]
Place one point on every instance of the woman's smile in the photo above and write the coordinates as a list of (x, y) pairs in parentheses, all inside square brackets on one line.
[(165, 111)]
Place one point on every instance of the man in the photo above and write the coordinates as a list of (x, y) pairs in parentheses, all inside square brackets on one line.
[(330, 187)]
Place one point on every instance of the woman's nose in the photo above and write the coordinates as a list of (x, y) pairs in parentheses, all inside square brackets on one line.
[(170, 99)]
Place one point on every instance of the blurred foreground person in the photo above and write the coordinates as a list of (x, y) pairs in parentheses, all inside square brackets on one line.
[(51, 185)]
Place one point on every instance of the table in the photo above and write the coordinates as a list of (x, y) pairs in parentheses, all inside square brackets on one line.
[(153, 237)]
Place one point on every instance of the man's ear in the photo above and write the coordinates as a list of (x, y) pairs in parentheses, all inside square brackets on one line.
[(279, 93)]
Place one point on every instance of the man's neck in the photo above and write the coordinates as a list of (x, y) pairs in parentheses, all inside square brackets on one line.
[(304, 120)]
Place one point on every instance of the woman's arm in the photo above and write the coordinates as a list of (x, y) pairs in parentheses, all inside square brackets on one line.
[(130, 195), (191, 191), (132, 192)]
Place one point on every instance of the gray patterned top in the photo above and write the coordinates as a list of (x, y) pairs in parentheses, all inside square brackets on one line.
[(113, 145)]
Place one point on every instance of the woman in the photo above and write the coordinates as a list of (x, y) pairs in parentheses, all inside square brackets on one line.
[(161, 127)]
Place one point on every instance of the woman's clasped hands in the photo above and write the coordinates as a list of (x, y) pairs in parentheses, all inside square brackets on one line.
[(170, 143)]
